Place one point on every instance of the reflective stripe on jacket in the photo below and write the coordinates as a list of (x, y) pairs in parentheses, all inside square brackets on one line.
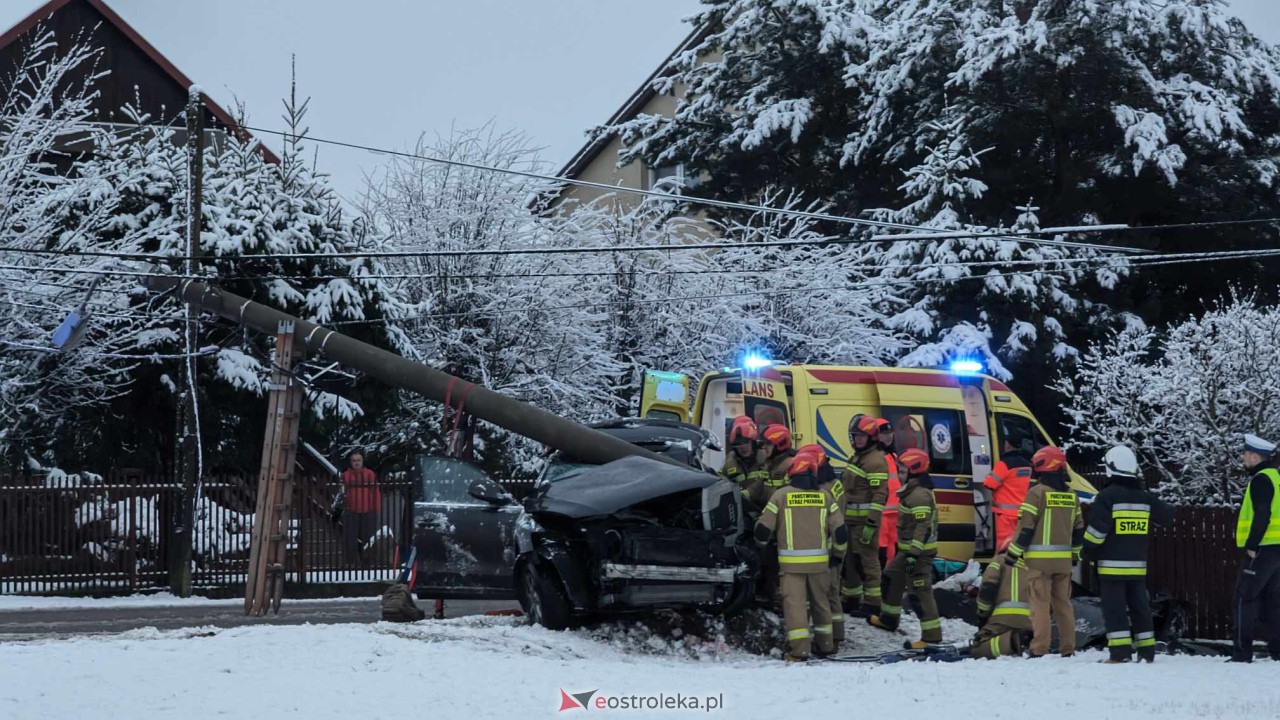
[(917, 519), (805, 522), (1050, 529), (1005, 594), (1120, 525), (1008, 482), (866, 486)]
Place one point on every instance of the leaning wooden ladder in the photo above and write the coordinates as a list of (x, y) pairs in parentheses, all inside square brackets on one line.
[(264, 585)]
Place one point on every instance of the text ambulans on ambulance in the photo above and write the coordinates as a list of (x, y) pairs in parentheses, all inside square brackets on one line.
[(961, 420)]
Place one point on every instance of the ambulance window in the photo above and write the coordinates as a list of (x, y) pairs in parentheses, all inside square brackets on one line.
[(938, 432), (1021, 431), (767, 412)]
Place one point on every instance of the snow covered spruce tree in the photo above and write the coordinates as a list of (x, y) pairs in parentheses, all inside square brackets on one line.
[(1183, 396), (962, 294), (1140, 112)]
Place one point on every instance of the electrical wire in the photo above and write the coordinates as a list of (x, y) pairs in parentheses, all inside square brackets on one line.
[(669, 197), (101, 271), (119, 356), (928, 233), (502, 252), (726, 204), (885, 282)]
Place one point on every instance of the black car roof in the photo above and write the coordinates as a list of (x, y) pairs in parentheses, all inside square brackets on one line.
[(650, 430)]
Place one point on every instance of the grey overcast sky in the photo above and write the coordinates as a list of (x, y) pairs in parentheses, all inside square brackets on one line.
[(382, 72)]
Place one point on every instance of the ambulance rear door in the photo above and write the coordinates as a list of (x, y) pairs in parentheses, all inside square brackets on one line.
[(764, 400), (725, 396)]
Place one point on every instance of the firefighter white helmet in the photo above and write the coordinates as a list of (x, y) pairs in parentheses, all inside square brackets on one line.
[(1120, 461)]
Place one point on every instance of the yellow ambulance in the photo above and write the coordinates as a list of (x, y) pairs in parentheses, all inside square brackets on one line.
[(960, 417)]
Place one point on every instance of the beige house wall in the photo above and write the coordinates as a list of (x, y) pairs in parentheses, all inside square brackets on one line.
[(604, 169)]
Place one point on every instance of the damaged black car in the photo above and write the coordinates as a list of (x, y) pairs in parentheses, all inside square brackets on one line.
[(629, 536)]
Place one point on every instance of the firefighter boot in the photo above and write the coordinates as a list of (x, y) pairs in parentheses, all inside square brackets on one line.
[(1147, 654), (884, 622)]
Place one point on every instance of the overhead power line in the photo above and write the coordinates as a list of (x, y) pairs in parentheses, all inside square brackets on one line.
[(119, 356), (710, 202)]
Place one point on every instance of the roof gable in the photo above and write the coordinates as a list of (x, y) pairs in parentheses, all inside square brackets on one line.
[(135, 64), (641, 97)]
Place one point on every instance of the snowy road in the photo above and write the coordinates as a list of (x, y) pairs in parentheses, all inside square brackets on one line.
[(484, 667), (27, 620)]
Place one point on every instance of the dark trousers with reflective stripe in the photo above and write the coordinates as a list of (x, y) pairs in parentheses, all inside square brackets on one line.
[(919, 584), (1126, 609), (997, 638), (1258, 598)]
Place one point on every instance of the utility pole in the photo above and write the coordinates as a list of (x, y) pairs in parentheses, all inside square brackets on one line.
[(268, 545), (189, 457), (583, 443)]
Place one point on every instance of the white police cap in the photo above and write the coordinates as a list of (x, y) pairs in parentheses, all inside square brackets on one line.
[(1258, 445)]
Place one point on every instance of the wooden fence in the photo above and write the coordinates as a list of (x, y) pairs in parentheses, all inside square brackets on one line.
[(1196, 562)]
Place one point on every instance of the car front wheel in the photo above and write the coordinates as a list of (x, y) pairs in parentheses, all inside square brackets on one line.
[(542, 598)]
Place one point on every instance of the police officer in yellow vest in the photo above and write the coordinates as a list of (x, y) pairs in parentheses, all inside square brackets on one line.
[(1258, 532)]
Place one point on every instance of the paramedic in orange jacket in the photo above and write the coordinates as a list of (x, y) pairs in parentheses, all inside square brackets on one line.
[(1008, 482), (889, 518)]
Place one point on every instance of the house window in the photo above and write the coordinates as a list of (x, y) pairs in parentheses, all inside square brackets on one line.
[(668, 178)]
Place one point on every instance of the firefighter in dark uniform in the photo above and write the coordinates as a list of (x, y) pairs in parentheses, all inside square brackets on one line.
[(1003, 608), (866, 489), (1117, 537), (828, 481), (744, 467), (1258, 533), (1049, 540), (775, 456), (811, 538), (912, 568)]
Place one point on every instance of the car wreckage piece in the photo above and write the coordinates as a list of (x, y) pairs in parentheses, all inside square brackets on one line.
[(632, 536)]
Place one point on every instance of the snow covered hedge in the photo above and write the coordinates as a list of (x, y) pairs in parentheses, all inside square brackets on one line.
[(1182, 397)]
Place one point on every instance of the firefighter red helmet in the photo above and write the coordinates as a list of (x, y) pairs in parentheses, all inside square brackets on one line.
[(814, 451), (871, 426), (853, 424), (807, 463), (915, 460), (778, 436), (743, 430), (1049, 459)]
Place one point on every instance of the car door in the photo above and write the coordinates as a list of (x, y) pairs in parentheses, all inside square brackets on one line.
[(466, 546)]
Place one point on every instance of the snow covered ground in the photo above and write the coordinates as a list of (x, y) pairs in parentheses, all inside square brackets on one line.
[(483, 667), (161, 599)]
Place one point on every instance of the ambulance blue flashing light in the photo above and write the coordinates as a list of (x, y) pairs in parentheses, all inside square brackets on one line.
[(755, 361), (966, 367)]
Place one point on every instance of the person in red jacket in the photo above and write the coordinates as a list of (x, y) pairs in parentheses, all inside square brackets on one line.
[(361, 507), (889, 518), (1008, 482)]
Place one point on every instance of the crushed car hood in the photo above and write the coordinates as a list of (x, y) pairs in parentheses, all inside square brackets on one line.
[(614, 486)]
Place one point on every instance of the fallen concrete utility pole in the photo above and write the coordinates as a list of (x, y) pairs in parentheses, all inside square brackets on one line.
[(580, 441)]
